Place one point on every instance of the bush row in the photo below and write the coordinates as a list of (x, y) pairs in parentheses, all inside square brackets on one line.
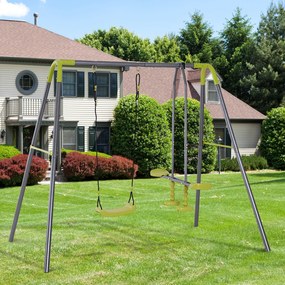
[(12, 170), (78, 167), (252, 162), (8, 151)]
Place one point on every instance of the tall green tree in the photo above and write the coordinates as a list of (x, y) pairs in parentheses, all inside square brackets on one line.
[(238, 45), (196, 42), (266, 77), (121, 43)]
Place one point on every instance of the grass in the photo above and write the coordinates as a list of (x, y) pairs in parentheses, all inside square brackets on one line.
[(157, 244)]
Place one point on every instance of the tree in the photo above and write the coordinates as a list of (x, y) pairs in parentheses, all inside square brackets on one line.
[(145, 139), (209, 152), (196, 42), (166, 49), (121, 43), (266, 76), (237, 47)]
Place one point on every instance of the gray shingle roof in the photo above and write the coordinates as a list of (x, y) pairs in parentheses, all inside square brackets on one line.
[(158, 83), (22, 40)]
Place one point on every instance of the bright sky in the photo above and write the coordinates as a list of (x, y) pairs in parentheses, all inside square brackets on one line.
[(145, 18)]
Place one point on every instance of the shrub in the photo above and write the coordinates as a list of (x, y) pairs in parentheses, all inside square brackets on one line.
[(209, 152), (12, 170), (64, 152), (272, 144), (78, 167), (146, 140), (251, 162), (8, 151)]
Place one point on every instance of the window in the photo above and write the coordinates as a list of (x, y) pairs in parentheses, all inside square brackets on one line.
[(103, 138), (72, 84), (212, 92), (26, 82), (107, 86), (69, 138), (73, 138)]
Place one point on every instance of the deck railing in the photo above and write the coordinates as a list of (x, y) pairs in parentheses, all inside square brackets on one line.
[(21, 107)]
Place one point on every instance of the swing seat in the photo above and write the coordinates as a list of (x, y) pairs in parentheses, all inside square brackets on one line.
[(201, 186), (116, 212)]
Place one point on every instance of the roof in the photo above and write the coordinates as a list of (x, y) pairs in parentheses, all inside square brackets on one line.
[(22, 40), (158, 84)]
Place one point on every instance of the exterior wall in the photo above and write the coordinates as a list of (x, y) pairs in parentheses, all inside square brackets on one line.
[(76, 109), (247, 136)]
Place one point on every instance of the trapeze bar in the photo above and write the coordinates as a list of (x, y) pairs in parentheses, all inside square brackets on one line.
[(176, 180), (132, 64)]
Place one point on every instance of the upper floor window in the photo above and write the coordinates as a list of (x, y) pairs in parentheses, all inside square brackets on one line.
[(107, 85), (26, 82), (72, 83), (212, 95)]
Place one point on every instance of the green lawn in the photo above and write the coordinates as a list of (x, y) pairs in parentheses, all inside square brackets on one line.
[(155, 245)]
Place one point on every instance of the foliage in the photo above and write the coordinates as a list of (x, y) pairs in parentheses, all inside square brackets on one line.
[(209, 152), (64, 152), (143, 137), (251, 162), (121, 43), (272, 145), (12, 170), (196, 41), (166, 49), (237, 48), (78, 167), (8, 151), (266, 76)]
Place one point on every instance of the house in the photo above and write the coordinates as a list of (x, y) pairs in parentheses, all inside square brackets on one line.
[(26, 54), (245, 120)]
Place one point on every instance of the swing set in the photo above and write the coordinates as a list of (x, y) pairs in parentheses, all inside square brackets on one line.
[(130, 206)]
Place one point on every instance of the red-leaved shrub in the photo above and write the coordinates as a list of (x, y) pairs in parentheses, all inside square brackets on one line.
[(78, 167), (12, 170)]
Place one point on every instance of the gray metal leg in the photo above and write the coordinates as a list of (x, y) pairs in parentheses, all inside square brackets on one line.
[(244, 176), (200, 151), (55, 151), (185, 125), (28, 165), (174, 93)]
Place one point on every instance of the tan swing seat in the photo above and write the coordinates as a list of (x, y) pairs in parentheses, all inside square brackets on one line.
[(126, 210)]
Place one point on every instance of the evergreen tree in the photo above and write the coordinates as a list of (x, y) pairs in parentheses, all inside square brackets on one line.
[(238, 45), (266, 77), (196, 42)]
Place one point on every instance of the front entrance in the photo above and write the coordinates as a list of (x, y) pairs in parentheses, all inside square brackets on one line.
[(27, 138)]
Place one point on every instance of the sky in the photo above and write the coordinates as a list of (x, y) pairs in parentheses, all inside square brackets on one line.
[(145, 18)]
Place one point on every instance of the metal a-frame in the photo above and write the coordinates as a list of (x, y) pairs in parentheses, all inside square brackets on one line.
[(56, 148)]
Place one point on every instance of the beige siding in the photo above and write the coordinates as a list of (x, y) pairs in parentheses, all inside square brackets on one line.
[(74, 109), (247, 136), (9, 72)]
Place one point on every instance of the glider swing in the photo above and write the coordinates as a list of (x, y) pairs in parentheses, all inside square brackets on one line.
[(130, 205), (163, 173)]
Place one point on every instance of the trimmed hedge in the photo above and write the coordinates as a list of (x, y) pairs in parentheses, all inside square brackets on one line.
[(12, 170), (8, 151), (251, 162), (64, 152), (78, 167), (272, 145), (147, 139)]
